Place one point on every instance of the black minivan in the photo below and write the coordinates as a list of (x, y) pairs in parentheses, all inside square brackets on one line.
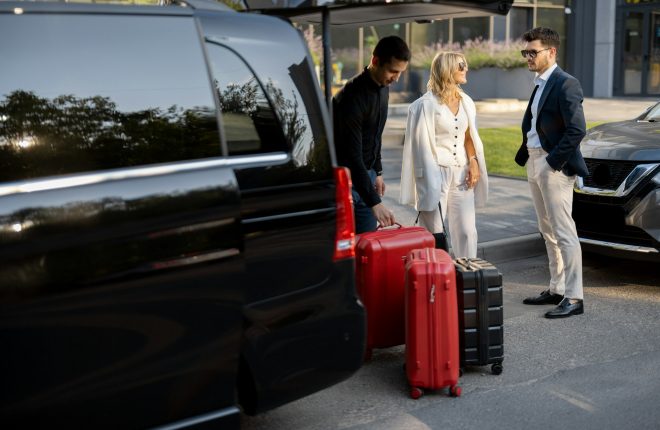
[(176, 239)]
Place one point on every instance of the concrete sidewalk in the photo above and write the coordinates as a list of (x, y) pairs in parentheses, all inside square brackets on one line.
[(507, 226), (509, 112)]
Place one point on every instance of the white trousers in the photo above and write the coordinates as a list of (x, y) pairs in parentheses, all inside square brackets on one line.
[(552, 193), (457, 201)]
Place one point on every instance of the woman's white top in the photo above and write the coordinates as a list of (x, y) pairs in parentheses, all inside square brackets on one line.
[(424, 152), (450, 135)]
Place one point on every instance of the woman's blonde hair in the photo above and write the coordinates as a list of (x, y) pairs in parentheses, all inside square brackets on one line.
[(441, 82)]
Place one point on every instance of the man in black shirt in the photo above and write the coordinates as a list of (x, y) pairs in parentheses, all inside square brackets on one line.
[(360, 112)]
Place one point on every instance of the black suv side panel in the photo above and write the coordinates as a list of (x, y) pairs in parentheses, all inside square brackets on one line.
[(167, 219), (120, 287), (301, 307), (120, 295)]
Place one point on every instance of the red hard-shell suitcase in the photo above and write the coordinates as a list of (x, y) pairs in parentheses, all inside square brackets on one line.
[(380, 280), (432, 356)]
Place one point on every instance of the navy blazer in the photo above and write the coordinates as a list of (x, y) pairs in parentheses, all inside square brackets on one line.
[(560, 125)]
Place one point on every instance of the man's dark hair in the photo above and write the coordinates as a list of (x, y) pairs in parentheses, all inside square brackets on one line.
[(547, 36), (389, 47)]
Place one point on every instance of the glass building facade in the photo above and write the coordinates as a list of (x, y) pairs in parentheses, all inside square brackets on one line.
[(612, 46), (524, 15), (638, 27)]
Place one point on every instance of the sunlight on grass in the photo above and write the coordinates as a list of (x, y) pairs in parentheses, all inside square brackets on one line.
[(501, 145)]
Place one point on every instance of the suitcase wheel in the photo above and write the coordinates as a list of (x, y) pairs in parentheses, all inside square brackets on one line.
[(455, 391), (496, 369), (416, 392)]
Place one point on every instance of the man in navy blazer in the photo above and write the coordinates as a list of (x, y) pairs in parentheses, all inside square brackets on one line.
[(552, 129)]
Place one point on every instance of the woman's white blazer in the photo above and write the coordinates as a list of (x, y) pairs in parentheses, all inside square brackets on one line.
[(420, 175)]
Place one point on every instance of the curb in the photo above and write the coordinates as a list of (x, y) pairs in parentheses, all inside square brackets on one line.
[(393, 139), (501, 250), (483, 106), (397, 109), (500, 105)]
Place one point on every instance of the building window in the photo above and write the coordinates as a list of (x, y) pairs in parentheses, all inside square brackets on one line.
[(521, 19), (633, 53), (432, 33), (556, 20), (499, 28), (470, 29), (653, 85)]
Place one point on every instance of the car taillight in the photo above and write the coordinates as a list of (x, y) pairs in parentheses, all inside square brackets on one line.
[(345, 235)]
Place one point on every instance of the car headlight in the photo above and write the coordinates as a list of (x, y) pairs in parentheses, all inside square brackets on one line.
[(656, 178), (637, 174)]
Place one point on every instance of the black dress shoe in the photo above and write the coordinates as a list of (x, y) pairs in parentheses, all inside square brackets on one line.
[(566, 309), (545, 298)]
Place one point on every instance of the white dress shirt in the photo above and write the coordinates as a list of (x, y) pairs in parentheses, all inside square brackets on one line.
[(533, 140)]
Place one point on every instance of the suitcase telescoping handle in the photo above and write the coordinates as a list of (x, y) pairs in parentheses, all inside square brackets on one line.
[(391, 227), (466, 262)]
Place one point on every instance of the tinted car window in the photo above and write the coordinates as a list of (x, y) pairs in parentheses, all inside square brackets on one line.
[(287, 79), (249, 122), (113, 98), (291, 90)]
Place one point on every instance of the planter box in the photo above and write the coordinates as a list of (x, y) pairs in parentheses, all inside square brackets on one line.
[(486, 83), (493, 83)]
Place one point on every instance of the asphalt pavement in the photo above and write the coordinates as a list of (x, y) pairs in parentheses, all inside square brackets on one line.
[(507, 226), (593, 371)]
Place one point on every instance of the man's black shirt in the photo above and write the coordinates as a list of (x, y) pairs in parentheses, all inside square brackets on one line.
[(360, 112)]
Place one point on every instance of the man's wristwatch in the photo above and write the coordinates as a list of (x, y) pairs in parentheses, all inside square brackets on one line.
[(379, 173)]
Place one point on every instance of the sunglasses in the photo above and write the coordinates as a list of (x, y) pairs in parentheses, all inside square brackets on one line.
[(532, 53), (462, 66)]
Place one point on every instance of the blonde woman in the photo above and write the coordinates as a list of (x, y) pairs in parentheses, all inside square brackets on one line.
[(443, 157)]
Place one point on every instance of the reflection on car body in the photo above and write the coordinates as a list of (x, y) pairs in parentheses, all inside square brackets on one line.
[(617, 207), (176, 239)]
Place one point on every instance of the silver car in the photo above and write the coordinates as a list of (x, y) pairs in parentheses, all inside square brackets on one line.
[(617, 207)]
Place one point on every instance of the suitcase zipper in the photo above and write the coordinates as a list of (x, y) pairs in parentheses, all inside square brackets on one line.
[(484, 308), (432, 321)]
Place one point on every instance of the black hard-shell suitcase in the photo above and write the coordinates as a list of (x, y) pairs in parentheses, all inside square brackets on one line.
[(480, 313)]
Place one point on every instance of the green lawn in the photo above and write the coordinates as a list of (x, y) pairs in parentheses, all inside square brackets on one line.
[(500, 146)]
